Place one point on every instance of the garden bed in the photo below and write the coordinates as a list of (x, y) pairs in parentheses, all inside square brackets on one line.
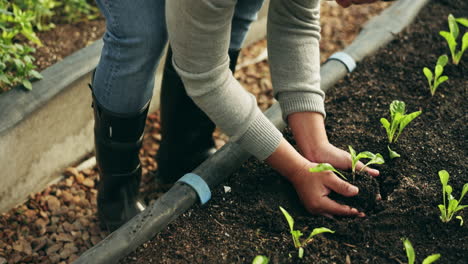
[(236, 226)]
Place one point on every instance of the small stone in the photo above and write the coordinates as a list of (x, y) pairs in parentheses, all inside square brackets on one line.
[(79, 178), (3, 260), (69, 182), (53, 203), (54, 248), (95, 240), (64, 237), (68, 250), (54, 258), (30, 213), (227, 189), (88, 183), (67, 197), (71, 171), (23, 246), (76, 199), (41, 225)]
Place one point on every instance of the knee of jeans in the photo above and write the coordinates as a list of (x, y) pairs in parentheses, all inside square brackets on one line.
[(143, 41)]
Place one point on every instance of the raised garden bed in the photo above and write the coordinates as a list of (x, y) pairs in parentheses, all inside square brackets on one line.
[(236, 226)]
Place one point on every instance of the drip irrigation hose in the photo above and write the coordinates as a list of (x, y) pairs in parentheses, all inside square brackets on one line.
[(376, 33)]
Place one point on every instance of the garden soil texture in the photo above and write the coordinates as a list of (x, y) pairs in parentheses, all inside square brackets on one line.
[(236, 226)]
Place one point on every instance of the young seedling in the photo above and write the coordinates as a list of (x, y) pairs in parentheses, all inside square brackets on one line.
[(373, 159), (451, 205), (412, 255), (393, 154), (399, 120), (296, 234), (452, 35), (324, 167), (259, 259), (435, 79)]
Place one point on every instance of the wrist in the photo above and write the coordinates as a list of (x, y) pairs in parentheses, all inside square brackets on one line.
[(309, 132)]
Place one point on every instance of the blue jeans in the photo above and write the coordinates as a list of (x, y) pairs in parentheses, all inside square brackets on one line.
[(133, 44)]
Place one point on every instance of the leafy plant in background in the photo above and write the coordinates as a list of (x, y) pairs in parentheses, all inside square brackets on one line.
[(452, 36), (16, 65), (77, 10), (43, 11), (373, 159), (324, 167), (260, 259), (297, 234), (435, 79), (412, 255), (16, 22), (451, 205)]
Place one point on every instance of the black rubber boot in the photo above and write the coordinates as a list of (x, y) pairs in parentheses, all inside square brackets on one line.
[(118, 139), (186, 131)]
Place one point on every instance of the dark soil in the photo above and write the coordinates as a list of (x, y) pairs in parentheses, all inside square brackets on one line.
[(236, 226)]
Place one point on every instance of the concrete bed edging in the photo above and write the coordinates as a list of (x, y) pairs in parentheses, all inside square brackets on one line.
[(45, 130), (225, 161)]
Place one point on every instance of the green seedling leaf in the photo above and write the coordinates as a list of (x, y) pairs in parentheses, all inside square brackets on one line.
[(453, 26), (397, 107), (438, 71), (288, 217), (450, 42), (464, 43), (463, 21), (405, 120), (459, 217), (409, 251), (430, 259), (260, 260), (317, 231), (444, 177), (442, 60), (392, 154), (301, 253), (326, 167), (428, 74)]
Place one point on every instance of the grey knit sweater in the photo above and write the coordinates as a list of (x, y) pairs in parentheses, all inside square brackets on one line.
[(199, 33)]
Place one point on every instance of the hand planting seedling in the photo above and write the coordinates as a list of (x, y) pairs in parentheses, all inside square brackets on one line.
[(296, 234), (436, 79), (452, 205), (373, 159), (399, 120), (451, 37), (412, 256), (324, 167)]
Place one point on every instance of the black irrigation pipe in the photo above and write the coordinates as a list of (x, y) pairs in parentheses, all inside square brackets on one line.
[(375, 34)]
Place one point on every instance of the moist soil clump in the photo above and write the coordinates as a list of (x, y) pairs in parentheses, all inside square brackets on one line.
[(236, 226), (368, 196)]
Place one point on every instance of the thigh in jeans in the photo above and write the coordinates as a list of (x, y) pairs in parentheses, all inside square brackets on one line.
[(134, 40), (244, 14)]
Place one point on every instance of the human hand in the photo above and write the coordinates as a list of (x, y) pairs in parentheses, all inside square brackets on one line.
[(311, 137), (348, 3), (313, 190)]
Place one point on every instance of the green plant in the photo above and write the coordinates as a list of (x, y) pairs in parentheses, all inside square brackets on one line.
[(297, 234), (16, 65), (436, 79), (259, 259), (452, 35), (324, 167), (43, 11), (412, 255), (373, 159), (451, 205), (15, 22), (399, 120), (393, 154), (76, 10)]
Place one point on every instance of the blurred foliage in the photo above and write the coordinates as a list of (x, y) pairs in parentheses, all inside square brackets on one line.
[(19, 22)]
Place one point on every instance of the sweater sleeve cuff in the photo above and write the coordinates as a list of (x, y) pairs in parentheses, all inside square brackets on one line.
[(293, 102), (261, 138)]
